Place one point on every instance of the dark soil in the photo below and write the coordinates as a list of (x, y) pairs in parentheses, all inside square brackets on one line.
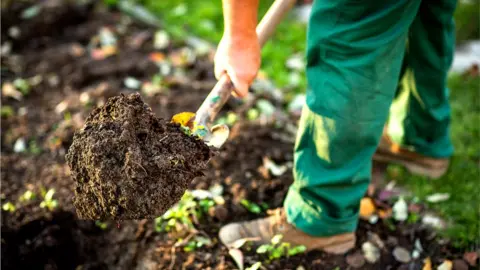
[(129, 164), (36, 238)]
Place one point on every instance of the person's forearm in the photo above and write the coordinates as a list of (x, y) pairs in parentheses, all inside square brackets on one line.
[(240, 17)]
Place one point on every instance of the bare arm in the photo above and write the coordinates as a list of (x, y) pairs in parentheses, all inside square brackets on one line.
[(238, 53)]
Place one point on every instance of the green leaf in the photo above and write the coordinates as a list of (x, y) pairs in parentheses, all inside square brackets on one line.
[(53, 204), (296, 250), (412, 218), (252, 207), (203, 241), (263, 248), (252, 114), (190, 246), (49, 194), (6, 111), (8, 206), (101, 225), (276, 239), (276, 253), (27, 196), (22, 85)]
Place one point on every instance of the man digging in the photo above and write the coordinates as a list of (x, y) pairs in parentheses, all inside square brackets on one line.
[(356, 53)]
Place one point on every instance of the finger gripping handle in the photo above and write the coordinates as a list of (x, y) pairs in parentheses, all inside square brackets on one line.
[(224, 87)]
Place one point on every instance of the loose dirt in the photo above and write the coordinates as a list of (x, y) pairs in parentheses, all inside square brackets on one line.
[(129, 164)]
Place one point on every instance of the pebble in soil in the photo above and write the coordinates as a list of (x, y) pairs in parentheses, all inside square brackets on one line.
[(128, 164)]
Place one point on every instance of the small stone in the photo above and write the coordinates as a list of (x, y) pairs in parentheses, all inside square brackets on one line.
[(460, 264), (161, 40), (356, 260), (14, 32), (401, 255), (22, 111), (53, 80), (446, 265), (19, 146), (373, 219)]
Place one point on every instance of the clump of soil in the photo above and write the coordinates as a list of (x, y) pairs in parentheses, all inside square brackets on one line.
[(129, 164)]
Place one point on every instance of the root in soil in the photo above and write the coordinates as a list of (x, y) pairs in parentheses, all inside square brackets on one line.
[(128, 164)]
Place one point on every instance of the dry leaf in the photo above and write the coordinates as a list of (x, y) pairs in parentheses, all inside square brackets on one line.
[(275, 169), (427, 264), (9, 90), (433, 221), (156, 57), (401, 255), (446, 265), (237, 256), (367, 208), (184, 119), (383, 214)]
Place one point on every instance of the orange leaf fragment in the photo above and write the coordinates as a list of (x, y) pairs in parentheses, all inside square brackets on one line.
[(185, 119), (427, 264), (367, 208)]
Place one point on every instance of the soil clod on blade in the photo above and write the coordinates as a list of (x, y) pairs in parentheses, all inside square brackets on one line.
[(129, 164)]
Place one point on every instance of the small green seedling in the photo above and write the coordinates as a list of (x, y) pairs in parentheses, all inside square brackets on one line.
[(277, 249), (8, 206), (6, 111), (34, 148), (413, 218), (101, 225), (184, 214), (27, 196), (22, 85), (197, 242), (48, 201), (251, 206), (252, 114)]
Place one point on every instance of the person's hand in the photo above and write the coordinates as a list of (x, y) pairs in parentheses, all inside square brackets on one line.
[(238, 56)]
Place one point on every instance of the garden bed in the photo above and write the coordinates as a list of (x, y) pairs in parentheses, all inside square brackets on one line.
[(65, 73)]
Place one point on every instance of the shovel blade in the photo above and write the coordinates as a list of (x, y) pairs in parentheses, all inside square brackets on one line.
[(219, 135)]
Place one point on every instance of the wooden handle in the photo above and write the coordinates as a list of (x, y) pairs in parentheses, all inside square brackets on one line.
[(223, 89)]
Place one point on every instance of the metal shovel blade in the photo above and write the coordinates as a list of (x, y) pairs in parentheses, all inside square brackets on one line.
[(218, 135)]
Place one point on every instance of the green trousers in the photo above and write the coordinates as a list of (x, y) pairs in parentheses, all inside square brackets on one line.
[(355, 53)]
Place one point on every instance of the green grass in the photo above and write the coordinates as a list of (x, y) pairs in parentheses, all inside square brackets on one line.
[(462, 210)]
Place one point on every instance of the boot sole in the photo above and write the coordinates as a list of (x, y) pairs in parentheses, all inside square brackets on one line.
[(411, 166)]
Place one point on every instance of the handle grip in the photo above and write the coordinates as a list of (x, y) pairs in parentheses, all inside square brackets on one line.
[(223, 88)]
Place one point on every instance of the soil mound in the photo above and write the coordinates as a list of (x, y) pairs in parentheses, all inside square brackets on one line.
[(129, 164)]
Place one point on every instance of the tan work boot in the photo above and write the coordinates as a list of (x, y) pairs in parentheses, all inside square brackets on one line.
[(391, 152), (265, 228)]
